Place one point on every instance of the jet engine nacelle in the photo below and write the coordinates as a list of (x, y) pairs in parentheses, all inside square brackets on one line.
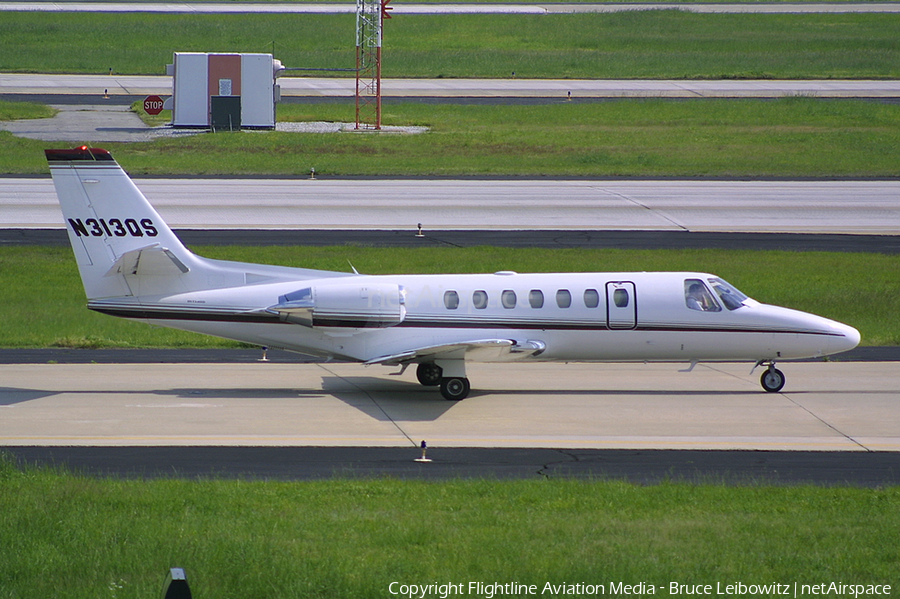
[(358, 304)]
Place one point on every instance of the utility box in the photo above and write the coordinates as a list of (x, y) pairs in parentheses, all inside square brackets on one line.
[(198, 77)]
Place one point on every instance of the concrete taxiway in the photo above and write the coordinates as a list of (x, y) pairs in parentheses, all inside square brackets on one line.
[(113, 85), (826, 406), (856, 207)]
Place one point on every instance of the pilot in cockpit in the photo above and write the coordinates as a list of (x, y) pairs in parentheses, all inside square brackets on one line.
[(699, 298)]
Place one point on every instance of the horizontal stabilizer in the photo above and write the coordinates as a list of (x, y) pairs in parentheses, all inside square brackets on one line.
[(143, 261)]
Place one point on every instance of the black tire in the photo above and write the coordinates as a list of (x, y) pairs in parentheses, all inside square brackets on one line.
[(429, 374), (454, 388), (772, 380)]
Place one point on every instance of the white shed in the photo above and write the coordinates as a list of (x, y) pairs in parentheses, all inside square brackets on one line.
[(224, 91)]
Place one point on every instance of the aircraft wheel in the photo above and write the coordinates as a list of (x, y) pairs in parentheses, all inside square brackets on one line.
[(454, 388), (772, 380), (429, 374)]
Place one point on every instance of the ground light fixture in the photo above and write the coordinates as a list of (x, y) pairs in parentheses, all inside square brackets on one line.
[(176, 586)]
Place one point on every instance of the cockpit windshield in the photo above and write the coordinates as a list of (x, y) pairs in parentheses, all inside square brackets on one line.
[(731, 297), (697, 295)]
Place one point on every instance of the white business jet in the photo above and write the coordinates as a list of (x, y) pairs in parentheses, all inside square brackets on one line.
[(133, 266)]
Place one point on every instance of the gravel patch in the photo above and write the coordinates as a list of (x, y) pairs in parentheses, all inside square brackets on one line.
[(91, 124), (328, 127)]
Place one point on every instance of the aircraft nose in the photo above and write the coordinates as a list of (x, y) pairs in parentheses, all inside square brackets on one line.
[(848, 339)]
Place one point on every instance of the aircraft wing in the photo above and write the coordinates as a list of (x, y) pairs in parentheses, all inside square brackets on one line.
[(477, 350)]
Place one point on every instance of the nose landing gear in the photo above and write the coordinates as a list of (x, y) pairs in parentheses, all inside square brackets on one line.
[(772, 380)]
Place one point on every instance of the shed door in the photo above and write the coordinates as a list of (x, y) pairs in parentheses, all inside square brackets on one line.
[(621, 305)]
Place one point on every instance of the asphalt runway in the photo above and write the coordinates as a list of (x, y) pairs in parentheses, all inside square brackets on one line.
[(588, 239), (316, 463)]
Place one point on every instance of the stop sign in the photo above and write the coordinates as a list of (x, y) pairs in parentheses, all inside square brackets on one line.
[(153, 105)]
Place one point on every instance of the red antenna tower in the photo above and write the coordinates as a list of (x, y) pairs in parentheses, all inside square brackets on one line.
[(369, 17)]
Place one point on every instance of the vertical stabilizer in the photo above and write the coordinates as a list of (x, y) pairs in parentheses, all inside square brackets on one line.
[(115, 232)]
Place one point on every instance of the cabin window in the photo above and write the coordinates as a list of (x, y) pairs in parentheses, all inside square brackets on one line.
[(591, 298), (480, 299), (698, 297), (451, 300), (563, 298), (536, 298), (508, 299), (731, 297), (620, 298)]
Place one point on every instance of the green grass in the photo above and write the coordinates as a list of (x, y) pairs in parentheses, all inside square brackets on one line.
[(63, 535), (42, 302), (791, 137), (12, 110), (637, 44)]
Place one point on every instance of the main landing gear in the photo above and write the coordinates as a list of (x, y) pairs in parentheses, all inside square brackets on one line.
[(429, 374), (772, 379), (454, 387)]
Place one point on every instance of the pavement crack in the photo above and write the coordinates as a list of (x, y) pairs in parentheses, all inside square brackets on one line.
[(799, 405), (825, 422), (544, 470), (372, 399), (441, 241), (653, 211)]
